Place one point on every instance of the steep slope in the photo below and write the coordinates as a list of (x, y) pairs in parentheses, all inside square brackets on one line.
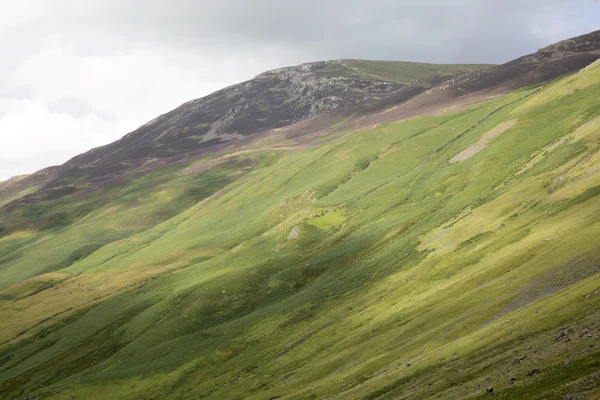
[(20, 186), (273, 99), (446, 255)]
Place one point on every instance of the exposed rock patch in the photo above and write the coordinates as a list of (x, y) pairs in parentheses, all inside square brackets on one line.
[(483, 142), (294, 233)]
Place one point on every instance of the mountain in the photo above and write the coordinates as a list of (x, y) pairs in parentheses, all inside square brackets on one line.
[(271, 100), (345, 230)]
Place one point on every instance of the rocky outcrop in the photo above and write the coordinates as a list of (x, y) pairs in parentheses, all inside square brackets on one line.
[(309, 87)]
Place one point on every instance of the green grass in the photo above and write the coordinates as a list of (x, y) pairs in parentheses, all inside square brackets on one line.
[(411, 277), (408, 72)]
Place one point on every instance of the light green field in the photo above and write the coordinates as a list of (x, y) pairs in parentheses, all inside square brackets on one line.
[(369, 267)]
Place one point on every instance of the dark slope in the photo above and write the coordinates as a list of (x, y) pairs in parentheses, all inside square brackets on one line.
[(545, 65), (548, 63), (19, 186)]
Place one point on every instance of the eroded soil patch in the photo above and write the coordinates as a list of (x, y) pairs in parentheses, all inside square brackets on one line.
[(483, 142)]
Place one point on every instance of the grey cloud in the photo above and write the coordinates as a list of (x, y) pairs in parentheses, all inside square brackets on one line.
[(487, 31), (426, 30)]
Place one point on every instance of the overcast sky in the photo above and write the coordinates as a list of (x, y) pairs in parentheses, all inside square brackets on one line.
[(78, 74)]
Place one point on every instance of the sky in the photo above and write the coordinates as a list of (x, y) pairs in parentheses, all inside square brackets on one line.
[(79, 74)]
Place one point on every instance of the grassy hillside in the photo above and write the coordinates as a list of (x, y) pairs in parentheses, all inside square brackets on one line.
[(407, 72), (14, 188), (378, 265)]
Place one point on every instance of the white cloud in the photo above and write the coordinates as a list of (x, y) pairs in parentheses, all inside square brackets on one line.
[(16, 13), (58, 103)]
